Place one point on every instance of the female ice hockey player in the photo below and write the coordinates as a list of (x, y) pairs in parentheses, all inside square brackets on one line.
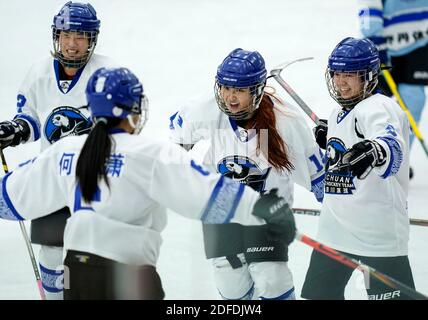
[(49, 108), (364, 212), (253, 138), (117, 186)]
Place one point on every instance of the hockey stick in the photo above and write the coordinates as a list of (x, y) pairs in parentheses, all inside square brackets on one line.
[(354, 264), (276, 74), (27, 240), (316, 213), (393, 86)]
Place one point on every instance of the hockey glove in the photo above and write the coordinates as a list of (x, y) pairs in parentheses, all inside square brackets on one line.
[(13, 132), (320, 133), (278, 215), (363, 157)]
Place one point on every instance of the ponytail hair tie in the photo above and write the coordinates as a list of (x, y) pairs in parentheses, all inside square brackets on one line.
[(101, 120)]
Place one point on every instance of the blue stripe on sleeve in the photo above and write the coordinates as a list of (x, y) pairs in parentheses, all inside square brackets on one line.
[(7, 210), (34, 124), (396, 157), (223, 202), (371, 12), (409, 17)]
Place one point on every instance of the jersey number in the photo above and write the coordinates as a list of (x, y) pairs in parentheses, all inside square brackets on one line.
[(316, 162), (78, 199)]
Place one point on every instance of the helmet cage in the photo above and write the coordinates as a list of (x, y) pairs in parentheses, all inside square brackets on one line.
[(256, 93), (141, 108), (368, 78), (77, 63), (78, 18)]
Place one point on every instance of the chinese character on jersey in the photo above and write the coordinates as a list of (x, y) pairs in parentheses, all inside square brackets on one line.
[(65, 164), (114, 165)]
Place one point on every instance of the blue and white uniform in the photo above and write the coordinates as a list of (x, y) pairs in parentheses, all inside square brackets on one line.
[(228, 143), (403, 24), (367, 217), (124, 221), (53, 107), (224, 147)]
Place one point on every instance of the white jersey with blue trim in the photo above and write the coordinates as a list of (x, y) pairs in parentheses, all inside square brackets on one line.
[(232, 151), (367, 217), (124, 221), (52, 107), (402, 23)]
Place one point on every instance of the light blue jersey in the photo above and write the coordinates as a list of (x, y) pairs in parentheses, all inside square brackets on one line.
[(400, 26)]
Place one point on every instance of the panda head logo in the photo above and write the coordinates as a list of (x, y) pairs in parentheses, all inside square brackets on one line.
[(243, 170), (66, 121), (335, 151)]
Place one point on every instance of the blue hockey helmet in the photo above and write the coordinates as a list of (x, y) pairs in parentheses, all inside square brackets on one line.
[(116, 93), (354, 56), (80, 18), (241, 69)]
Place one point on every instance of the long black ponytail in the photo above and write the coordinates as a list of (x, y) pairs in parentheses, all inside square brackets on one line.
[(91, 165)]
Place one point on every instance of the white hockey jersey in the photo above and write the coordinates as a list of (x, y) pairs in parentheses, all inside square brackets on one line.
[(367, 217), (123, 222), (232, 151), (53, 108)]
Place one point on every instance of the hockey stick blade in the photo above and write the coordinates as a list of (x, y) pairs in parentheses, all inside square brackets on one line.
[(317, 213), (278, 69)]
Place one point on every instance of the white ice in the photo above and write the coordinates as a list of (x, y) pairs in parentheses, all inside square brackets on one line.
[(175, 47)]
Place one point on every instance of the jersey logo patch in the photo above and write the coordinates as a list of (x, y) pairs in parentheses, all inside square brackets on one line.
[(244, 170), (65, 121), (338, 178), (65, 85), (342, 114)]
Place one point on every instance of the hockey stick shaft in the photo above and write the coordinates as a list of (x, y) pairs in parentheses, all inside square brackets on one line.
[(316, 213), (27, 241), (276, 73), (393, 87), (354, 264)]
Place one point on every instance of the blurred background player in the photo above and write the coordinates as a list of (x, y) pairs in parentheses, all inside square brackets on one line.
[(364, 211), (256, 139), (399, 28), (119, 205), (49, 107)]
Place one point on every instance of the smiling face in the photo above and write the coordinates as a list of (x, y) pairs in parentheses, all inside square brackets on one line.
[(348, 84), (74, 45), (236, 99)]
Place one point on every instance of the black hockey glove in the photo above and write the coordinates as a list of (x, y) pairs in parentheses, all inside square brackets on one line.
[(320, 133), (363, 157), (278, 215), (13, 132)]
